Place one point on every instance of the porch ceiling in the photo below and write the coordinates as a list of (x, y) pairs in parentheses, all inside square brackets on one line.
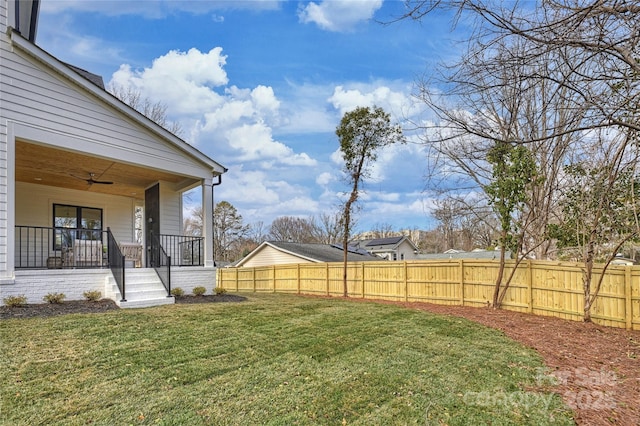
[(55, 167)]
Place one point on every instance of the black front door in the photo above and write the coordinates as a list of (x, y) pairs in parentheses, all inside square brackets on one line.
[(152, 221)]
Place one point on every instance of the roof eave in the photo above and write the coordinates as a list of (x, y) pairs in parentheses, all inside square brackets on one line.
[(50, 61)]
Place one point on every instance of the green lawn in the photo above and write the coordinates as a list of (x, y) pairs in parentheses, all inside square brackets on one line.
[(275, 359)]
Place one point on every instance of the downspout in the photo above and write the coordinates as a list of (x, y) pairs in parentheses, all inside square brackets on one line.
[(213, 207)]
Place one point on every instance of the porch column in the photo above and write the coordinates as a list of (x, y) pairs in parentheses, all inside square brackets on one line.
[(207, 221)]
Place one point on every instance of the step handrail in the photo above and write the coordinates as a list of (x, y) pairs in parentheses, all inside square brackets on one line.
[(116, 263)]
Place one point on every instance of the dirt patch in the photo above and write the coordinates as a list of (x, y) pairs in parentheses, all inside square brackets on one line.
[(597, 368)]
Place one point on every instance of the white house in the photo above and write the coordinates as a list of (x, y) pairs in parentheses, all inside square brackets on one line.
[(84, 179), (390, 248)]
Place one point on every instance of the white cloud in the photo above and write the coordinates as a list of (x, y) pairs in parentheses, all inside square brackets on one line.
[(324, 179), (338, 15), (254, 142), (249, 186), (181, 80), (189, 84), (396, 101)]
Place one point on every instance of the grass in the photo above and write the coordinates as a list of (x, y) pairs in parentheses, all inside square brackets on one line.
[(275, 359)]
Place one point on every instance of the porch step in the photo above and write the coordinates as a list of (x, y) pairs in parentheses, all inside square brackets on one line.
[(143, 288)]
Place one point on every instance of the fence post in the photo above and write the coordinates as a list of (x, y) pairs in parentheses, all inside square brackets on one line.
[(628, 310), (461, 282), (237, 281), (253, 273), (326, 269), (274, 278), (529, 287), (406, 284), (363, 293), (298, 277)]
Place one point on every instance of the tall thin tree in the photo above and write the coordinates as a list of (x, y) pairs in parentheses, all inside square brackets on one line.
[(362, 133)]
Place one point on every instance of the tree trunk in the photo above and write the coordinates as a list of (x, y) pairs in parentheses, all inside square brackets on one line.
[(496, 290), (586, 281), (345, 239)]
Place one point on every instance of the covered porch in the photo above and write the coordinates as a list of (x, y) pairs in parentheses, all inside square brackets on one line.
[(85, 218)]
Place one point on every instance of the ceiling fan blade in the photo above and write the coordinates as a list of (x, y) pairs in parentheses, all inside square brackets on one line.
[(100, 182), (91, 181)]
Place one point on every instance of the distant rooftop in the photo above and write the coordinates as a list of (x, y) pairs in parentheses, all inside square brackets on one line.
[(324, 252)]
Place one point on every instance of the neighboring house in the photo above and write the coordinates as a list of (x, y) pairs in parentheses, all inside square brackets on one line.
[(391, 248), (86, 179), (623, 261), (280, 253)]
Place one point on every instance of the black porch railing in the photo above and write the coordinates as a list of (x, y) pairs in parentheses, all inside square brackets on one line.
[(183, 250), (116, 262), (40, 247), (161, 262)]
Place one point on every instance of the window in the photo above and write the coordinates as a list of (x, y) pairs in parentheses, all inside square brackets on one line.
[(76, 223)]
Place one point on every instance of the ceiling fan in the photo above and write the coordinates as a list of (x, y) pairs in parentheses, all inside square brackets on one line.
[(91, 180)]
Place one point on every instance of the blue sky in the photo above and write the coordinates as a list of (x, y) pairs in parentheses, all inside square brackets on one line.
[(260, 87)]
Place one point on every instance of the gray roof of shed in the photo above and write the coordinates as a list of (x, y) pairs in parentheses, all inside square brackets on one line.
[(323, 252)]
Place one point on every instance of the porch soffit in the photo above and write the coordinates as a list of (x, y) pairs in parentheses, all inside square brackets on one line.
[(44, 165)]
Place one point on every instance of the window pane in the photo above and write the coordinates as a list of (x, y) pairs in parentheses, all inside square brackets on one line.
[(65, 216), (91, 218)]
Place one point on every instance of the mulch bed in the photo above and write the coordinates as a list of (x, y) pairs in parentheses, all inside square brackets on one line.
[(597, 368), (85, 307), (54, 309)]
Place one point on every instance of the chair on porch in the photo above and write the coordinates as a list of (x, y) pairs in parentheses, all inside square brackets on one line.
[(84, 253), (132, 252)]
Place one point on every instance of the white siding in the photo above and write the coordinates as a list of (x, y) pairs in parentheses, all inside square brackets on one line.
[(170, 210), (34, 207), (4, 187), (407, 250), (270, 256), (44, 100)]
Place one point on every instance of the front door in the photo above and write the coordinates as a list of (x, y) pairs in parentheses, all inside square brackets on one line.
[(152, 222)]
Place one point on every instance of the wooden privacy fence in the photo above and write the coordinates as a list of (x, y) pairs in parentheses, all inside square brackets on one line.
[(538, 287)]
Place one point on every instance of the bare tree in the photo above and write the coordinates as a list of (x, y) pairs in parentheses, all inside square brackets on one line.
[(155, 111), (329, 229), (383, 230), (258, 232), (549, 78), (293, 229), (598, 39), (229, 231), (600, 209), (193, 223)]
